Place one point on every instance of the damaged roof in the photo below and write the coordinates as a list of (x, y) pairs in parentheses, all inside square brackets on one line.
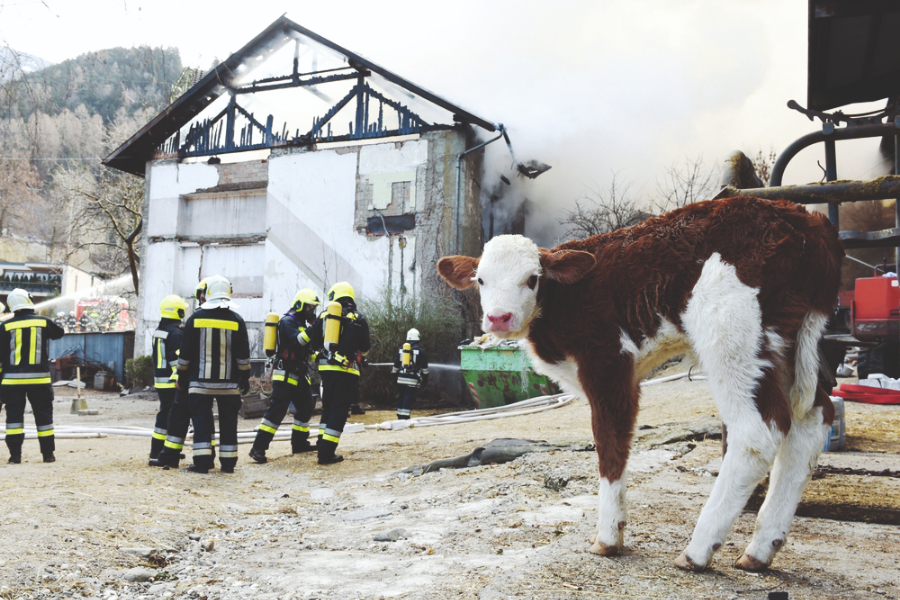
[(234, 85)]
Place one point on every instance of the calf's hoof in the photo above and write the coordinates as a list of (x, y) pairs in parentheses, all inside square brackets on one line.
[(684, 562), (748, 563), (603, 549)]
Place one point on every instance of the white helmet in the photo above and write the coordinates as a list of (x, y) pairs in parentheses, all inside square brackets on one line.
[(19, 299), (413, 335), (218, 293), (2, 307)]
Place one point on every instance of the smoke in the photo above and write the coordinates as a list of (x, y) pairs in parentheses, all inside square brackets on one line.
[(590, 88)]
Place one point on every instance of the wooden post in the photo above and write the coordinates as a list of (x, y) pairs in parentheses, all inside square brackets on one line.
[(78, 403)]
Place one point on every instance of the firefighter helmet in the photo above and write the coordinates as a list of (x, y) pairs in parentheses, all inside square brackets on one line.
[(218, 288), (172, 307), (201, 288), (341, 289), (19, 299), (413, 335), (304, 298)]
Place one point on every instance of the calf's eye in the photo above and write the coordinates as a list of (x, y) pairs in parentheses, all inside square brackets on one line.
[(532, 281), (480, 282)]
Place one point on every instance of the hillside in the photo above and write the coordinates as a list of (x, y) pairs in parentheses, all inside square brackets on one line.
[(14, 64), (104, 82)]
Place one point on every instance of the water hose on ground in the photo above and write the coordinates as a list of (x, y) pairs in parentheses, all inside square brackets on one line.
[(516, 409)]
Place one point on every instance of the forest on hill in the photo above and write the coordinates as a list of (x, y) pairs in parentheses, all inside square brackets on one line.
[(56, 124)]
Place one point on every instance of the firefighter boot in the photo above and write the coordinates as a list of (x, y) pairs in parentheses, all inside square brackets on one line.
[(14, 445), (300, 441), (49, 457), (258, 455), (326, 449), (156, 446)]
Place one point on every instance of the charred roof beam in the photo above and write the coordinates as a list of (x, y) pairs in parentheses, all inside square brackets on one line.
[(254, 88)]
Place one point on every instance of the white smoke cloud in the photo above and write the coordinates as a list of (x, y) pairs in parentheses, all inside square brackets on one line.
[(590, 87)]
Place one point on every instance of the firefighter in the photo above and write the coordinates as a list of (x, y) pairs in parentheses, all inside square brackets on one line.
[(410, 372), (26, 374), (179, 418), (166, 343), (214, 364), (71, 322), (290, 379), (84, 321), (339, 364)]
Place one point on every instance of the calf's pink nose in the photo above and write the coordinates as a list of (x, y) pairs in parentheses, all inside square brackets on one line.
[(500, 322)]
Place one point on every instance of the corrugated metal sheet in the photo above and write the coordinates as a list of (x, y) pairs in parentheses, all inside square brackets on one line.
[(108, 348)]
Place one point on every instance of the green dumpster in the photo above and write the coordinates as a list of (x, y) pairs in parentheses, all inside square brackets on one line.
[(501, 375)]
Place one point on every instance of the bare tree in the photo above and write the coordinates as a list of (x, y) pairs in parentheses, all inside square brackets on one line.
[(600, 212), (685, 184), (763, 165), (106, 216)]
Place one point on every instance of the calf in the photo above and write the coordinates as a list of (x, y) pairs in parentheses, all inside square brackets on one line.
[(746, 285)]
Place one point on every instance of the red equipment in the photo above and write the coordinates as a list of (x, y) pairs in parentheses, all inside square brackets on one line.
[(875, 309)]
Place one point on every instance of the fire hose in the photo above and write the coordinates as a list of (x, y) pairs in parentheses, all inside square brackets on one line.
[(516, 409)]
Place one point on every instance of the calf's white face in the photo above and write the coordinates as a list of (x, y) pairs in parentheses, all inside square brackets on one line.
[(509, 275)]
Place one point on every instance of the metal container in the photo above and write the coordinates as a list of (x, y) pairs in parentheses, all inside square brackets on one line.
[(501, 375), (836, 438)]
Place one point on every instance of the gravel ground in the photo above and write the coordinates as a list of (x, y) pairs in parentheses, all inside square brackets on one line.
[(99, 523)]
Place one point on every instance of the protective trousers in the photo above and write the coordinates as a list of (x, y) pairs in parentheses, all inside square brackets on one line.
[(284, 393), (200, 406), (41, 398), (177, 423), (166, 399), (407, 395), (340, 391)]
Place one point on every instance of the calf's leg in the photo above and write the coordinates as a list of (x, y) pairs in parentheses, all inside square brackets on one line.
[(613, 402), (723, 321), (794, 465)]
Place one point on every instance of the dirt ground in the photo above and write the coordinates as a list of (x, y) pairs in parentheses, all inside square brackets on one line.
[(100, 523)]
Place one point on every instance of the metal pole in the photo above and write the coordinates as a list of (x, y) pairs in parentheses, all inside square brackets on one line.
[(844, 133), (831, 175), (897, 201)]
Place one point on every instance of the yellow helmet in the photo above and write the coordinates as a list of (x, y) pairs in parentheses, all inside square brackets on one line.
[(201, 288), (19, 299), (172, 307), (304, 298), (341, 289)]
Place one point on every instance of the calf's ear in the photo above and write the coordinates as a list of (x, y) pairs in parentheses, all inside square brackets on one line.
[(458, 270), (567, 266)]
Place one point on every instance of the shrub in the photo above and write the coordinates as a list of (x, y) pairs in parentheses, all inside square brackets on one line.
[(438, 319), (139, 371)]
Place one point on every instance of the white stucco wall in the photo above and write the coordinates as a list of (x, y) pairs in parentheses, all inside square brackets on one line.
[(297, 231)]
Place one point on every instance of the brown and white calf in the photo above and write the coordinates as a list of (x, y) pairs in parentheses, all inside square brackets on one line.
[(746, 285)]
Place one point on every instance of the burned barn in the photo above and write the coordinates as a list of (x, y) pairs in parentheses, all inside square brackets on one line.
[(298, 163)]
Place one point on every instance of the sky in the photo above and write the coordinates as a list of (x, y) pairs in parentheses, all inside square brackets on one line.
[(595, 88)]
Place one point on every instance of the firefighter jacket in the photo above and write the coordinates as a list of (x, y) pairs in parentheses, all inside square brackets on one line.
[(166, 344), (25, 341), (416, 372), (292, 350), (215, 353), (353, 345)]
